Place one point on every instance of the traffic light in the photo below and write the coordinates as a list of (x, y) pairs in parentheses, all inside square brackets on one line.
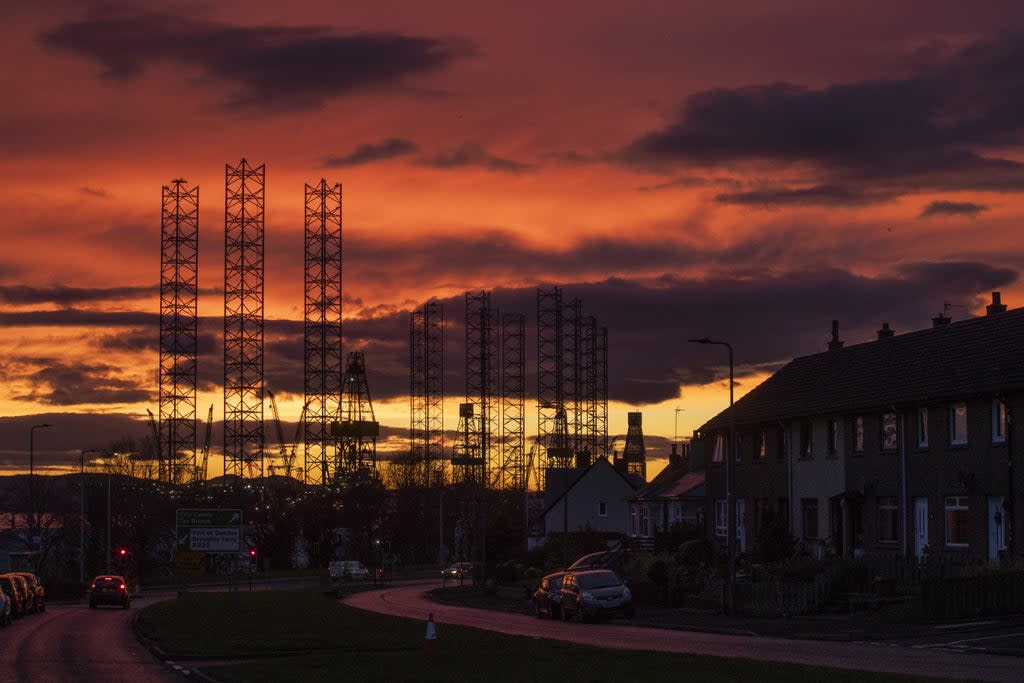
[(122, 553)]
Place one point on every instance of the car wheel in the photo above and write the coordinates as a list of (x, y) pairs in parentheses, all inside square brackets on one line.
[(629, 613), (92, 605), (565, 614), (556, 612)]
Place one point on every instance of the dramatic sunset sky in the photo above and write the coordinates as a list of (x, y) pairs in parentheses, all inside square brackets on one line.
[(744, 170)]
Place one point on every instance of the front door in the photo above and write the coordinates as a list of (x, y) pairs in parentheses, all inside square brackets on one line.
[(996, 528), (741, 524), (920, 527)]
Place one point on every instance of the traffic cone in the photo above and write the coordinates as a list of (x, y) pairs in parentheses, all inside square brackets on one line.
[(431, 638)]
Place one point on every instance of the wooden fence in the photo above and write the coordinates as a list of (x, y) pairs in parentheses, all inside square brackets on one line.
[(973, 596)]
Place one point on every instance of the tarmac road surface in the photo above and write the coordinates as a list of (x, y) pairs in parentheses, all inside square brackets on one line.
[(410, 600), (76, 644)]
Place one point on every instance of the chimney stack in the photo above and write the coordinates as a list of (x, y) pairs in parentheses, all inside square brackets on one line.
[(940, 320), (997, 306), (885, 332), (835, 343)]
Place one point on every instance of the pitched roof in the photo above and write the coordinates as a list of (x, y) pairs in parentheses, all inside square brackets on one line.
[(677, 484), (577, 476), (982, 355)]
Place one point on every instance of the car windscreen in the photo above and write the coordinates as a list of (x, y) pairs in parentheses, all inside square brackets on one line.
[(108, 583), (598, 580)]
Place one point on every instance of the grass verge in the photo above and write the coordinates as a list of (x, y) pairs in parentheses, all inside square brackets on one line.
[(334, 642)]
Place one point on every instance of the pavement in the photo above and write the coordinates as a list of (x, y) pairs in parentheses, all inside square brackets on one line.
[(995, 635)]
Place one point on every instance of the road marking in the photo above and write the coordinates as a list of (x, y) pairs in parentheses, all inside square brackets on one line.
[(968, 624)]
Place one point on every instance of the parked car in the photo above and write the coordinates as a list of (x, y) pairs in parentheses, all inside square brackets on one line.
[(15, 587), (109, 589), (595, 594), (36, 592), (5, 609), (459, 570), (348, 570), (547, 599)]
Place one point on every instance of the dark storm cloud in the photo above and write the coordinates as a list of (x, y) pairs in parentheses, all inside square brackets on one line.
[(58, 383), (80, 318), (819, 195), (370, 152), (690, 182), (473, 154), (269, 67), (69, 296), (94, 192), (948, 208), (917, 128)]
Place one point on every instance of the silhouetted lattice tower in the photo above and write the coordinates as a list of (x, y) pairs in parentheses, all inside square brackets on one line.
[(552, 424), (600, 392), (426, 392), (481, 370), (243, 319), (512, 472), (179, 291), (322, 365), (357, 428), (634, 460), (586, 381)]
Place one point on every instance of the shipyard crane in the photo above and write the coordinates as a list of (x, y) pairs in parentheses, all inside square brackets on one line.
[(289, 463), (283, 455), (156, 445), (201, 474)]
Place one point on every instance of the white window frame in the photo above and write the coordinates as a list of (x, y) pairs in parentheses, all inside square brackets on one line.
[(955, 505), (721, 518), (858, 434), (957, 437), (718, 454), (602, 508), (922, 427), (998, 421), (835, 429), (762, 449)]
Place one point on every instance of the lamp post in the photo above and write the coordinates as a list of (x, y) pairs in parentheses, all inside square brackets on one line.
[(31, 472), (730, 501), (81, 515)]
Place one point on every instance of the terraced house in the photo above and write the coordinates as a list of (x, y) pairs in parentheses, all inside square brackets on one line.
[(903, 444)]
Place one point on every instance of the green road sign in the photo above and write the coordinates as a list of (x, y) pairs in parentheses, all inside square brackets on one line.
[(210, 530)]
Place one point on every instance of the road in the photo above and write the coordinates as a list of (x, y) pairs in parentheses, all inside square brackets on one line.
[(76, 644), (411, 601)]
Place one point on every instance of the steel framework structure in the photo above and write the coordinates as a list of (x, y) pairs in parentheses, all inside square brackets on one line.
[(179, 291), (512, 473), (322, 367), (600, 393), (357, 428), (426, 391), (481, 367), (243, 319), (552, 423)]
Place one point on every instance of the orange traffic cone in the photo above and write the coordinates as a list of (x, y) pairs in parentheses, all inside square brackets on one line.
[(431, 638)]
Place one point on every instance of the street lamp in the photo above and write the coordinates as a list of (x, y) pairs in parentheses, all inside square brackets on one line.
[(730, 502), (31, 470), (81, 516)]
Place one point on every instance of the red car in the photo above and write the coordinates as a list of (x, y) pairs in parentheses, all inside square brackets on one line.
[(109, 589)]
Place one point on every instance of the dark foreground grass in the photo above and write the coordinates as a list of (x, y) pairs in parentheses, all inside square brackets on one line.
[(339, 643)]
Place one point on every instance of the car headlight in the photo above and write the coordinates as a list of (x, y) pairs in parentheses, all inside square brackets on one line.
[(626, 594), (587, 597)]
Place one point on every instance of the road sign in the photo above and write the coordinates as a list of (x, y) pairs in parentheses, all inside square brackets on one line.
[(209, 530)]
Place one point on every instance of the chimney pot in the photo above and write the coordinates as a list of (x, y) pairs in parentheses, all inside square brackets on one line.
[(835, 343), (997, 306), (886, 331), (940, 320)]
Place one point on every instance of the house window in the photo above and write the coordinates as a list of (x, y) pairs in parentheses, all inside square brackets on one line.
[(645, 529), (762, 513), (809, 515), (958, 424), (780, 444), (890, 439), (784, 510), (721, 518), (762, 447), (998, 421), (805, 441), (719, 448), (834, 430), (957, 508), (922, 428), (888, 520), (858, 435), (602, 508)]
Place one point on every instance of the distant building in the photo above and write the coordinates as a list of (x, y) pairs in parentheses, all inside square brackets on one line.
[(673, 500), (904, 444), (595, 499), (634, 454)]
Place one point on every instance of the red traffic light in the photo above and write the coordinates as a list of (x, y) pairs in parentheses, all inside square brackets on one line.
[(122, 552), (252, 552)]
